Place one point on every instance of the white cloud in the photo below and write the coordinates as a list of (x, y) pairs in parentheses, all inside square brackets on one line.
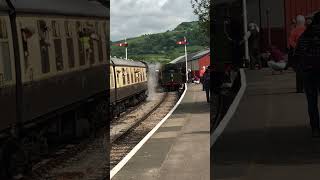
[(130, 18)]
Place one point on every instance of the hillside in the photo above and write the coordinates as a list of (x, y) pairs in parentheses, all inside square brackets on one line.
[(162, 47)]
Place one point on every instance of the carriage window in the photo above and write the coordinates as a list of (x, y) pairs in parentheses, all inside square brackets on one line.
[(44, 46), (124, 76), (70, 52), (128, 75), (137, 77), (100, 43), (5, 61), (70, 47), (118, 78), (55, 29), (132, 72), (68, 29), (105, 41), (111, 78), (3, 30), (58, 53), (57, 45), (82, 60)]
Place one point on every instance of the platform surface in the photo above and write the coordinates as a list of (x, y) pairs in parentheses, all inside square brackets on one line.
[(269, 137), (180, 149)]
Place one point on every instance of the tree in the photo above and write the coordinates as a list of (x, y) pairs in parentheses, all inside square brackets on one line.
[(202, 9)]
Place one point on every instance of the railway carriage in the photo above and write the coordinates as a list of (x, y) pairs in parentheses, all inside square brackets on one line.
[(128, 84), (53, 59)]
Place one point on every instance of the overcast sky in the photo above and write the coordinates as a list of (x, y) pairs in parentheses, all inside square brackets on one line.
[(131, 18)]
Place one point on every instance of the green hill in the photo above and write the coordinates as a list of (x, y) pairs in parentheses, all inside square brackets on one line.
[(162, 47)]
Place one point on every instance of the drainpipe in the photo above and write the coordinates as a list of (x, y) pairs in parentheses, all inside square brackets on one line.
[(12, 14)]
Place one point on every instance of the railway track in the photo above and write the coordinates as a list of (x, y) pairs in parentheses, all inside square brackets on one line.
[(136, 117), (128, 139), (88, 159)]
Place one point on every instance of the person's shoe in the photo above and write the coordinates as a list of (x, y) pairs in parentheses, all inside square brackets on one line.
[(315, 132)]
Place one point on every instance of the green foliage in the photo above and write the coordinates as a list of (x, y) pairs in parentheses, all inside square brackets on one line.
[(162, 47), (201, 8)]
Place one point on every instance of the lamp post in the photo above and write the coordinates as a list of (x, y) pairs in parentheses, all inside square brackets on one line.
[(125, 41), (245, 28), (186, 56)]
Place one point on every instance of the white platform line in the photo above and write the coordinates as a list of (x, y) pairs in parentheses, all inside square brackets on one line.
[(124, 161), (232, 109)]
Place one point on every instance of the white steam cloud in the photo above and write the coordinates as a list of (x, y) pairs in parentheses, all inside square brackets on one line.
[(153, 80)]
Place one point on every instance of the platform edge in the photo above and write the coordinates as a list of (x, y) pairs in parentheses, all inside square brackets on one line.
[(124, 161), (231, 111)]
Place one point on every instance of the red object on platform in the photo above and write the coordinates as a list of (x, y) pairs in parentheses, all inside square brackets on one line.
[(122, 44)]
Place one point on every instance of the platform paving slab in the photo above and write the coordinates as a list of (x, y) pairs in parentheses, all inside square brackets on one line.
[(180, 148), (269, 136)]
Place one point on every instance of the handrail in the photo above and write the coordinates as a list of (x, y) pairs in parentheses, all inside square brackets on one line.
[(1, 79)]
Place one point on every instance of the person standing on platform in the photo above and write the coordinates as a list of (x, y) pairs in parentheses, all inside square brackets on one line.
[(201, 73), (308, 54), (253, 40), (293, 39), (206, 83)]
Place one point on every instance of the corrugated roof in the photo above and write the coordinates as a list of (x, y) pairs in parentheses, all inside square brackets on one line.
[(190, 56), (201, 54), (60, 7), (176, 60), (123, 62)]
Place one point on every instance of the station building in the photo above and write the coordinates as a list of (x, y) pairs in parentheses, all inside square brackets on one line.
[(196, 61)]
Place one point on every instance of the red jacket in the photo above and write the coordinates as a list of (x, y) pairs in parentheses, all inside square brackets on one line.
[(295, 35)]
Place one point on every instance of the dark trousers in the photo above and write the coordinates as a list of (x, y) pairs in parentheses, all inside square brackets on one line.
[(299, 79), (311, 85), (208, 94), (293, 62), (254, 58)]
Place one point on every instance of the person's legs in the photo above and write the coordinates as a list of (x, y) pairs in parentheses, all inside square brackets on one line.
[(299, 79), (311, 91)]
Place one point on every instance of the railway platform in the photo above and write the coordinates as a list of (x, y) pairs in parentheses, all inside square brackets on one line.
[(180, 148), (269, 135)]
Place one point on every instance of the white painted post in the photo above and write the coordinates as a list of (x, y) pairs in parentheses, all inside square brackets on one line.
[(245, 28), (125, 41), (185, 51)]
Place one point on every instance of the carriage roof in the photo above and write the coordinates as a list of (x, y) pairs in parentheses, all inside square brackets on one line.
[(59, 7), (123, 62)]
